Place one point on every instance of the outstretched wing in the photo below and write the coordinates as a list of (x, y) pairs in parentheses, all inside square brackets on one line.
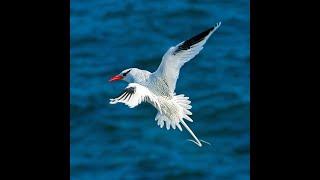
[(134, 94), (176, 56)]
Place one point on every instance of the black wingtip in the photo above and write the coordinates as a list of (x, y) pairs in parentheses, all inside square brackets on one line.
[(125, 93), (197, 38)]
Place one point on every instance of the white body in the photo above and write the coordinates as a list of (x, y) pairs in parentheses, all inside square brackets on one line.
[(158, 88)]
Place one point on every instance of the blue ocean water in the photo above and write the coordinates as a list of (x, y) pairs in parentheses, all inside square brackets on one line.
[(115, 142)]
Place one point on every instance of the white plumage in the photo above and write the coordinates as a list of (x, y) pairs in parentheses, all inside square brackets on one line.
[(141, 94), (172, 62), (158, 88)]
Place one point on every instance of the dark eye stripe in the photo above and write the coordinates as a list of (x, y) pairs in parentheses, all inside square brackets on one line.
[(124, 74)]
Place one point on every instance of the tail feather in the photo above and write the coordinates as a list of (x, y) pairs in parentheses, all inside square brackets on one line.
[(183, 106), (187, 112), (186, 106), (179, 126), (187, 118), (183, 103), (197, 142)]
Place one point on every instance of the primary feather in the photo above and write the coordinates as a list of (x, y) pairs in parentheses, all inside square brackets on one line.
[(178, 55)]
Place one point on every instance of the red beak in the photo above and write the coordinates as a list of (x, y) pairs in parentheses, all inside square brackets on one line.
[(116, 78)]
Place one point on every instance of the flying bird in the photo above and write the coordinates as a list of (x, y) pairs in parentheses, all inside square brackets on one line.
[(158, 88)]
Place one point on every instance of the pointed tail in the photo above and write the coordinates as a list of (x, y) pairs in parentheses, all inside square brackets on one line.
[(184, 103), (197, 142)]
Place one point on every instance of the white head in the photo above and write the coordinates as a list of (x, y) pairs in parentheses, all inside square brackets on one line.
[(130, 75)]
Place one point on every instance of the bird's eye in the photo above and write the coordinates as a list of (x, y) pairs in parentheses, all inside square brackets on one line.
[(125, 73)]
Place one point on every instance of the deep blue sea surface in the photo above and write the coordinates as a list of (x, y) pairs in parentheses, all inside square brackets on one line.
[(115, 142)]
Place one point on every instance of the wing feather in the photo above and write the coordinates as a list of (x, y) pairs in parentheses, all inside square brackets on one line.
[(176, 56), (134, 94)]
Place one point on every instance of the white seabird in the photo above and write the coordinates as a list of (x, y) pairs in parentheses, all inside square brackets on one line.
[(158, 88)]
